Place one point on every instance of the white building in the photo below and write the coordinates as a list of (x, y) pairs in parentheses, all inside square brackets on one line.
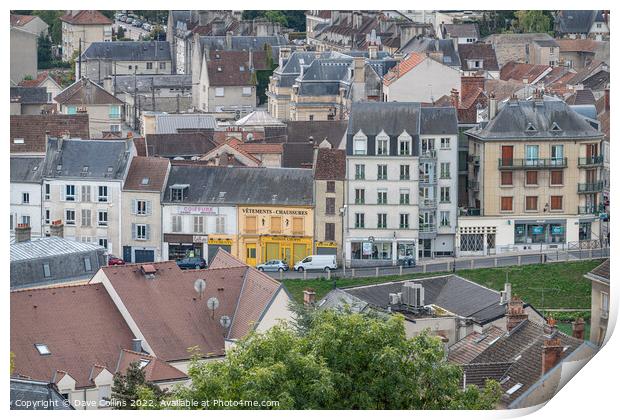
[(401, 194), (26, 193)]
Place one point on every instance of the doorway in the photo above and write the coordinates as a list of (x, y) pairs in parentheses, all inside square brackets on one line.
[(250, 254)]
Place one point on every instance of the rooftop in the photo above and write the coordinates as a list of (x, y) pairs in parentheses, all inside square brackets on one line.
[(86, 92), (128, 51), (600, 273), (235, 68), (85, 17), (47, 247), (26, 169), (177, 144), (28, 95), (33, 128), (330, 164), (172, 123), (147, 174)]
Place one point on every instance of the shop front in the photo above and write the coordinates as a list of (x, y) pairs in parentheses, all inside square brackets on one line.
[(184, 246), (326, 248), (540, 231), (214, 243), (371, 251)]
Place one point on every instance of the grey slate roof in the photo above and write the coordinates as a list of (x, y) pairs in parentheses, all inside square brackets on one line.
[(242, 42), (29, 95), (576, 21), (145, 82), (26, 169), (171, 123), (546, 43), (428, 45), (42, 394), (99, 159), (241, 185), (452, 293), (129, 51), (513, 119)]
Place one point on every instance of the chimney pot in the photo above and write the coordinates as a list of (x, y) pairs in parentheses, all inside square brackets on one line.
[(22, 233), (551, 354), (309, 297), (136, 345), (579, 328), (57, 229), (515, 313)]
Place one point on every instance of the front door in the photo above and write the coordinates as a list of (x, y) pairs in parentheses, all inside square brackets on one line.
[(250, 254), (286, 255)]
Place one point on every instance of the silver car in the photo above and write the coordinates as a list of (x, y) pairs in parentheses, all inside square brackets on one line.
[(273, 265)]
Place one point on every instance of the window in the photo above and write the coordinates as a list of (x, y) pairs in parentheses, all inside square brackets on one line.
[(506, 204), (18, 141), (310, 117), (115, 111), (445, 143), (381, 220), (47, 191), (177, 223), (557, 178), (404, 196), (531, 155), (86, 193), (359, 220), (531, 177), (103, 242), (298, 225), (404, 172), (47, 216), (220, 224), (276, 224), (250, 224), (506, 178), (604, 305), (444, 218), (162, 65), (330, 231), (176, 194), (381, 171), (360, 195), (70, 217), (130, 67), (330, 205), (383, 144), (141, 232), (199, 223), (404, 145), (360, 171), (71, 110), (444, 170), (531, 203), (247, 91), (359, 144), (382, 197), (444, 194), (115, 128), (557, 202), (428, 146), (86, 218), (331, 187), (102, 218), (25, 198), (149, 66), (69, 192), (141, 207), (404, 221), (26, 220), (87, 265), (557, 154), (219, 91), (103, 194), (42, 348)]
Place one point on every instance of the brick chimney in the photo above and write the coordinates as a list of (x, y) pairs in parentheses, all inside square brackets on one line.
[(549, 328), (470, 84), (607, 99), (309, 297), (57, 229), (22, 233), (551, 354), (579, 328), (454, 96), (514, 313)]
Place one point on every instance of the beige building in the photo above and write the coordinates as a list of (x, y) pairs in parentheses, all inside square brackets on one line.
[(105, 111), (141, 231), (23, 54), (535, 180), (600, 303), (85, 26), (30, 23), (329, 190)]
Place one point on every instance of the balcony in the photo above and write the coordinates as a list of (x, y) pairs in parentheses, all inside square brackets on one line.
[(428, 154), (428, 203), (428, 228), (590, 161), (428, 179), (587, 210), (590, 187), (473, 185), (475, 160), (532, 163), (470, 211)]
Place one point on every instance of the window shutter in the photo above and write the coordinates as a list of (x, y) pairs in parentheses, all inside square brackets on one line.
[(133, 231), (149, 207), (148, 232), (134, 206)]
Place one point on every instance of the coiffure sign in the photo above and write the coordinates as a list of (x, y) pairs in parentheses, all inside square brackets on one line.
[(197, 210)]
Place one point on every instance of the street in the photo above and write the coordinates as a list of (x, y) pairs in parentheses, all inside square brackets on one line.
[(131, 31)]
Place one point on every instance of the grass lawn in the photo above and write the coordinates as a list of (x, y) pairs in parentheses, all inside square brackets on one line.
[(563, 283), (567, 328)]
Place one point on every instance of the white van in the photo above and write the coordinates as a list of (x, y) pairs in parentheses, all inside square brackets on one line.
[(317, 262)]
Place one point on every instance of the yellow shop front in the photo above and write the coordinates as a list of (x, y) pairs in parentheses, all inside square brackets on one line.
[(275, 233)]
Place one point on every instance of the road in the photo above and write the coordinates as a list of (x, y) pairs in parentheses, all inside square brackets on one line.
[(131, 31), (446, 264)]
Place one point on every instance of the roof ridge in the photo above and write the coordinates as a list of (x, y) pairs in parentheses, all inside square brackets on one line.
[(55, 286)]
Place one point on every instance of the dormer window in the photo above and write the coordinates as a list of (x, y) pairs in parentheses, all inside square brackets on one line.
[(555, 127), (359, 143), (404, 144), (177, 192), (43, 349), (530, 127), (382, 144)]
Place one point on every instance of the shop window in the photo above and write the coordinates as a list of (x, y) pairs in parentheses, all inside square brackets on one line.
[(373, 250), (556, 202), (472, 242), (298, 225), (557, 177), (250, 224), (406, 249), (506, 204), (531, 203), (531, 178), (276, 224), (506, 178)]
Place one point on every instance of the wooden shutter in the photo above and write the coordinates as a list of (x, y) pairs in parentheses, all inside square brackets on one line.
[(149, 207), (276, 224), (330, 231), (134, 231), (506, 178), (330, 205), (531, 177), (298, 225), (556, 202), (506, 204), (557, 177), (148, 232), (531, 203), (63, 193), (134, 206), (507, 155), (250, 224)]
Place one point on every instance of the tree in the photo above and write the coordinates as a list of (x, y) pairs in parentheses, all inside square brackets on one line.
[(533, 21), (132, 386), (44, 52), (343, 361), (294, 19)]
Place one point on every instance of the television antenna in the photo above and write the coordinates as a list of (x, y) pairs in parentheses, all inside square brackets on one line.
[(225, 321), (213, 304), (199, 286)]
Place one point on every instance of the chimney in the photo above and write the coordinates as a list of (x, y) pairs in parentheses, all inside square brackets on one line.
[(454, 96), (250, 61), (579, 328), (57, 229), (22, 233), (549, 328), (492, 106), (309, 297), (506, 294), (217, 160), (372, 51), (607, 99), (358, 69), (229, 36), (136, 345), (108, 85), (514, 313), (551, 354), (285, 53)]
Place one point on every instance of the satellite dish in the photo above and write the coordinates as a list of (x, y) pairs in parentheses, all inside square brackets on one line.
[(213, 303), (199, 286), (225, 321)]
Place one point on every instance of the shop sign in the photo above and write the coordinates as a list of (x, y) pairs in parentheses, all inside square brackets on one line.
[(275, 212), (326, 244), (557, 230), (216, 241), (367, 248), (197, 210), (199, 239), (537, 230)]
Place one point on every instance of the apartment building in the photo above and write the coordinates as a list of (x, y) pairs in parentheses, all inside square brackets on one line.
[(401, 195), (536, 171), (85, 26), (26, 193), (82, 183)]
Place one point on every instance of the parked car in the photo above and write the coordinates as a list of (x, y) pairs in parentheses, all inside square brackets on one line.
[(112, 260), (273, 265), (407, 261), (136, 23), (121, 18), (146, 27), (192, 262), (129, 20), (317, 262)]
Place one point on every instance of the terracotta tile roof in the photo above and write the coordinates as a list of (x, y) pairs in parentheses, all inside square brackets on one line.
[(32, 129), (403, 67), (224, 259), (330, 164), (572, 45), (179, 144), (41, 77), (466, 349), (139, 143), (153, 169), (602, 271), (261, 148), (581, 97), (484, 52), (86, 17), (86, 92), (80, 325), (224, 149), (232, 68), (21, 20), (154, 371), (522, 71)]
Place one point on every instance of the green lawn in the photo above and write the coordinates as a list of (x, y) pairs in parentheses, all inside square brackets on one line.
[(567, 328), (562, 283)]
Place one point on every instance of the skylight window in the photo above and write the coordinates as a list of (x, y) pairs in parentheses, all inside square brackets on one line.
[(530, 127), (504, 380), (555, 127), (58, 167), (43, 349), (517, 357), (145, 181), (18, 141), (143, 363), (514, 389), (110, 169)]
